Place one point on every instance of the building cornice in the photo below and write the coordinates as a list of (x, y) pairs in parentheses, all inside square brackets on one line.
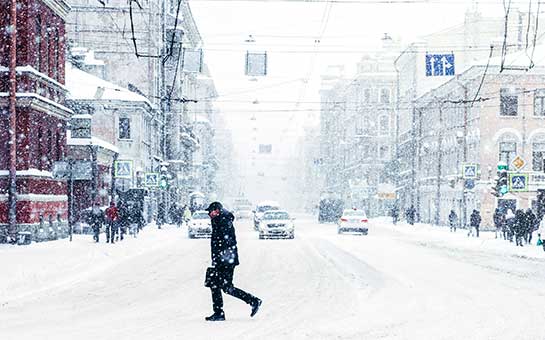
[(60, 7)]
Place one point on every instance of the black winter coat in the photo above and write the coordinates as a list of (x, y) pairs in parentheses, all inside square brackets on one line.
[(475, 219), (96, 219), (223, 243)]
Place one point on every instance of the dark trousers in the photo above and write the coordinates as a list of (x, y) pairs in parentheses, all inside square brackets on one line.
[(110, 231), (96, 233), (225, 275)]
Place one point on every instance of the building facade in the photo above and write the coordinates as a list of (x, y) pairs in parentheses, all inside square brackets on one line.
[(41, 117)]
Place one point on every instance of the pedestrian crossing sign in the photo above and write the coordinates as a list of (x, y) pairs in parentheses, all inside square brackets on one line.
[(123, 169), (151, 179), (469, 171), (518, 182)]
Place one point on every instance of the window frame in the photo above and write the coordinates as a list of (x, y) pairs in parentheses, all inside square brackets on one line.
[(122, 129), (507, 98)]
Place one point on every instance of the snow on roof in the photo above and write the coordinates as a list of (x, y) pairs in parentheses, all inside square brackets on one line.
[(85, 86), (90, 141), (519, 60)]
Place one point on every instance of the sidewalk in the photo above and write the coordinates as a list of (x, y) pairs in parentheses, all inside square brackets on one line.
[(442, 236)]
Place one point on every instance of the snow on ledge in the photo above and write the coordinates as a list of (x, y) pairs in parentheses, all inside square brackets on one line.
[(30, 69), (90, 141), (29, 172), (37, 96)]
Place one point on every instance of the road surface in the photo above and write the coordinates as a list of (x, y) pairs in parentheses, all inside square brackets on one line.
[(399, 282)]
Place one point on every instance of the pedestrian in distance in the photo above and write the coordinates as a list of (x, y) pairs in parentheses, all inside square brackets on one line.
[(161, 215), (410, 215), (452, 220), (395, 214), (510, 224), (530, 225), (224, 253), (519, 227), (122, 220), (111, 222), (187, 215), (475, 222), (499, 221), (96, 219)]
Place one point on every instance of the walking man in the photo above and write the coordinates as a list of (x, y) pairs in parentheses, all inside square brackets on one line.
[(96, 219), (499, 221), (452, 220), (223, 244), (111, 222), (475, 220)]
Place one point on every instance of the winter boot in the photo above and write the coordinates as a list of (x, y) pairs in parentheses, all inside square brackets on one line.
[(255, 306), (216, 317)]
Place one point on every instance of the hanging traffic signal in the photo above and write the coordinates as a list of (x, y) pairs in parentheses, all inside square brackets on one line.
[(163, 182)]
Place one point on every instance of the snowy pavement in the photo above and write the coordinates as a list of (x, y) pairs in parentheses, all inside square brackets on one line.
[(399, 282)]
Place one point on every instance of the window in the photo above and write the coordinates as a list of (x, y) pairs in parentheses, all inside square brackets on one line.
[(39, 150), (384, 96), (80, 127), (384, 125), (508, 151), (508, 102), (124, 128), (38, 40), (56, 54), (538, 153), (539, 103), (46, 52), (265, 148), (366, 96), (58, 147), (383, 152)]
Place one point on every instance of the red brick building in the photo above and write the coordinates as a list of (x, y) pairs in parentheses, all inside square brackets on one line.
[(41, 116)]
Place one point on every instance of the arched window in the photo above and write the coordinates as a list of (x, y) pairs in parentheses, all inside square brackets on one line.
[(38, 41)]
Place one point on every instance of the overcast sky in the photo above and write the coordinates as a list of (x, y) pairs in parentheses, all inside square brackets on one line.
[(288, 31)]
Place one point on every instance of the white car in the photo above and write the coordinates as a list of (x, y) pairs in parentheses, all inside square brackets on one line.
[(353, 220), (199, 225), (260, 210), (276, 223)]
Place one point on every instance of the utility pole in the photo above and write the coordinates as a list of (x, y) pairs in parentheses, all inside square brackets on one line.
[(12, 193), (439, 167), (464, 157)]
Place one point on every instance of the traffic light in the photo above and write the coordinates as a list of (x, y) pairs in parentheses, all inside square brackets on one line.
[(501, 186), (163, 182)]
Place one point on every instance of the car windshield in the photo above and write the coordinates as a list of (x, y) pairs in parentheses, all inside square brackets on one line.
[(265, 208), (200, 216), (280, 215), (353, 213)]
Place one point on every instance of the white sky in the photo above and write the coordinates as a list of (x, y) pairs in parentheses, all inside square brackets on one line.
[(287, 31)]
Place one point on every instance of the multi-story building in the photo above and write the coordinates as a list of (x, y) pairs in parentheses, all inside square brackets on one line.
[(463, 122), (41, 117), (357, 130), (474, 40), (111, 123)]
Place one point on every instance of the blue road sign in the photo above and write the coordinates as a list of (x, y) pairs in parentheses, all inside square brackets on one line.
[(469, 184), (123, 169), (470, 171), (439, 65), (151, 179), (518, 182)]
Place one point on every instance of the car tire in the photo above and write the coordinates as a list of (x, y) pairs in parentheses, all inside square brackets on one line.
[(261, 236), (292, 236), (189, 235)]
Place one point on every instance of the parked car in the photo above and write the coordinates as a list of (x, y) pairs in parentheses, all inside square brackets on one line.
[(353, 220), (276, 223), (260, 210), (199, 225)]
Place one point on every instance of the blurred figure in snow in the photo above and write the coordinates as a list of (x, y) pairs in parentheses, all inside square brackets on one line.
[(510, 224), (96, 219), (452, 220), (395, 214), (111, 222), (475, 222), (520, 226), (499, 221)]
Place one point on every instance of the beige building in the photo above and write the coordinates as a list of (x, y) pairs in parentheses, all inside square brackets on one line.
[(459, 124)]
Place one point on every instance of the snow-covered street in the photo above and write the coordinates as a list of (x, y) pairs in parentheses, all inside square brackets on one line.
[(399, 282)]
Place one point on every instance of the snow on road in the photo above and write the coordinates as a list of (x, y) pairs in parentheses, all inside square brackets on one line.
[(399, 282)]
